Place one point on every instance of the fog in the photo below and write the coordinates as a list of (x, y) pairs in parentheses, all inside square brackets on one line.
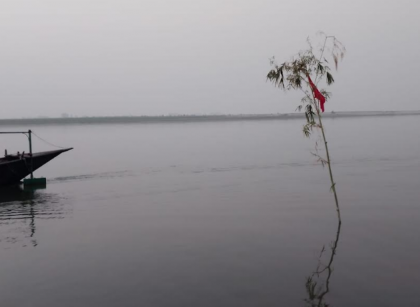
[(109, 57)]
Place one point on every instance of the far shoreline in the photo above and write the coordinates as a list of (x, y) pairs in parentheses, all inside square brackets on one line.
[(188, 118)]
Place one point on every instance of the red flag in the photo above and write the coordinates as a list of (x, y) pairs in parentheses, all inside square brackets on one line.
[(317, 94)]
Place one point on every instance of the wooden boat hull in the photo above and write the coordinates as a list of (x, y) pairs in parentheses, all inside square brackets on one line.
[(13, 169)]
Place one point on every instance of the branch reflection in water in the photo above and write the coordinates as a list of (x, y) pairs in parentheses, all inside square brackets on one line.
[(19, 210), (318, 283)]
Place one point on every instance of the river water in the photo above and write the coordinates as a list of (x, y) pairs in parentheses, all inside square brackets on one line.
[(215, 214)]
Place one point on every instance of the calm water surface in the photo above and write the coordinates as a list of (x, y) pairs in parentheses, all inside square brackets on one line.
[(215, 214)]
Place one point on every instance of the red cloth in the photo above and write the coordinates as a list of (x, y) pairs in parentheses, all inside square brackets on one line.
[(317, 94)]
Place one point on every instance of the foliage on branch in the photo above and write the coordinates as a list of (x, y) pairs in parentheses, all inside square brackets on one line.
[(293, 75)]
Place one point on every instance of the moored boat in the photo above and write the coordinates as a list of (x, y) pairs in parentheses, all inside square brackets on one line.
[(15, 167)]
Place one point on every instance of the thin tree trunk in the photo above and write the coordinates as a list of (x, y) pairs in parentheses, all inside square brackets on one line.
[(329, 166)]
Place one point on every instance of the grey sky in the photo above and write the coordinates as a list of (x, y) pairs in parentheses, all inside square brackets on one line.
[(122, 57)]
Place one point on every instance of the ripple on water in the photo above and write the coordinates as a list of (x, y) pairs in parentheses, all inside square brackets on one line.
[(21, 210)]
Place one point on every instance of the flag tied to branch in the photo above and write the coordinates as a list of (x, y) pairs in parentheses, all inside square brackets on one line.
[(317, 93)]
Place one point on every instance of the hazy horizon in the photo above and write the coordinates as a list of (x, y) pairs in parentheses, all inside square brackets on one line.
[(69, 116), (124, 57)]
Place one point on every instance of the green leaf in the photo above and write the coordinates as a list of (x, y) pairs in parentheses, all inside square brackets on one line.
[(298, 82), (330, 79), (320, 69)]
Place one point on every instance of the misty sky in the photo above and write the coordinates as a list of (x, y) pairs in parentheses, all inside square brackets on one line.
[(135, 57)]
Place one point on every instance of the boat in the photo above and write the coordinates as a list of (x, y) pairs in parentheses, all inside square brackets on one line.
[(15, 167)]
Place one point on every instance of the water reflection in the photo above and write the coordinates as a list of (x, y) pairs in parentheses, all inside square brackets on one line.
[(20, 208), (318, 283)]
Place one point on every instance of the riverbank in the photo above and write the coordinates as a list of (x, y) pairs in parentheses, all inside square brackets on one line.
[(187, 118)]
